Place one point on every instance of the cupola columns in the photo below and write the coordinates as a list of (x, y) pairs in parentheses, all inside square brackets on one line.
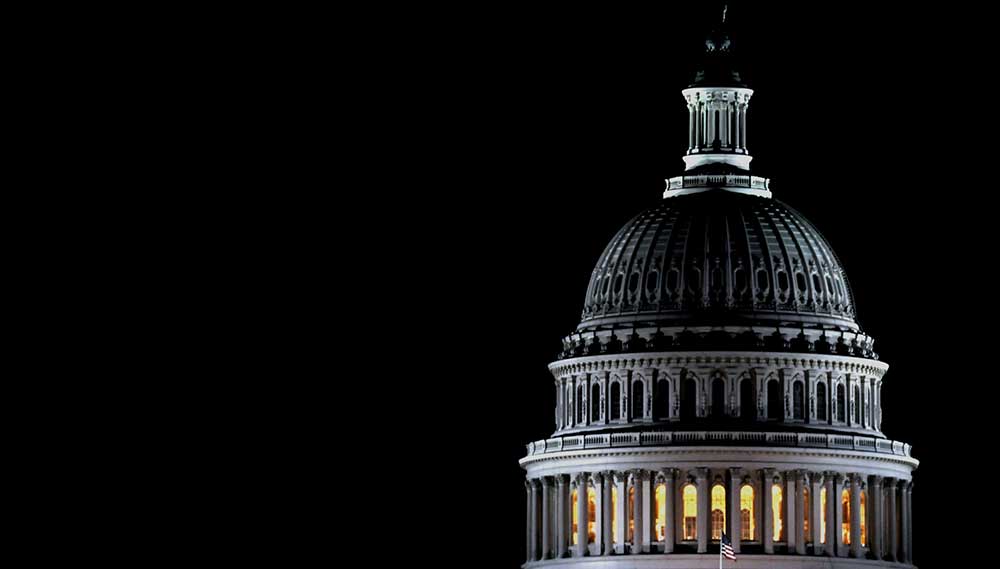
[(717, 126)]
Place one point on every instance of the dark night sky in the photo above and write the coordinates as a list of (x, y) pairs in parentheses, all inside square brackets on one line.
[(535, 135)]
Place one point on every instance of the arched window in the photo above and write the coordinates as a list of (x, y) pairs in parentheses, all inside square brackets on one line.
[(778, 512), (718, 397), (773, 400), (718, 511), (807, 511), (821, 402), (631, 514), (591, 514), (798, 401), (662, 403), (690, 512), (748, 402), (575, 514), (579, 404), (616, 401), (689, 397), (748, 531), (822, 515), (660, 522), (614, 514), (595, 403), (841, 415), (638, 399), (857, 405), (845, 526), (864, 521)]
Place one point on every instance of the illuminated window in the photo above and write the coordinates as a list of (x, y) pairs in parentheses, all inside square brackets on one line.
[(591, 514), (845, 527), (777, 513), (631, 513), (806, 514), (661, 500), (576, 516), (822, 515), (718, 511), (614, 514), (864, 524), (690, 512), (747, 529)]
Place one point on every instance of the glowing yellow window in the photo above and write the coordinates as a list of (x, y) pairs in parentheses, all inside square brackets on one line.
[(747, 529), (576, 517), (614, 514), (845, 527), (690, 512), (864, 538), (806, 515), (822, 515), (661, 522), (591, 515), (778, 513), (718, 511), (631, 513)]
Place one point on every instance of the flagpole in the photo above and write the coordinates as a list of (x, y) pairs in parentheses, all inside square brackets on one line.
[(720, 551)]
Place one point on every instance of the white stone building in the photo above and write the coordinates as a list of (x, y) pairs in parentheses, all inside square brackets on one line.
[(718, 383)]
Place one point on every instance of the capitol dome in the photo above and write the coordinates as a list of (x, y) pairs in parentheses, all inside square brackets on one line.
[(719, 257)]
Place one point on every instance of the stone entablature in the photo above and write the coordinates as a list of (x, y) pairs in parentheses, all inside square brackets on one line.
[(839, 393)]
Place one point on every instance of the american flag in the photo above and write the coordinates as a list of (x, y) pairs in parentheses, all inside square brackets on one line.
[(727, 548)]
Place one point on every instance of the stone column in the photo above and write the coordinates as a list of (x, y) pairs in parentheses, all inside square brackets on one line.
[(904, 520), (816, 513), (560, 518), (800, 511), (621, 516), (909, 522), (527, 521), (533, 515), (735, 518), (890, 515), (856, 516), (832, 506), (704, 508), (581, 514), (649, 512), (606, 529), (597, 479), (668, 513), (877, 521), (768, 509), (546, 517), (838, 485), (791, 512), (637, 513)]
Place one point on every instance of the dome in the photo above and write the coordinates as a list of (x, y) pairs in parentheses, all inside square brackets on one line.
[(718, 258)]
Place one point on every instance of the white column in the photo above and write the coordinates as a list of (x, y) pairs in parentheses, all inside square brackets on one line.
[(838, 485), (891, 541), (816, 515), (877, 522), (528, 521), (606, 528), (597, 479), (649, 536), (581, 514), (856, 516), (621, 516), (791, 512), (768, 510), (638, 532), (735, 518), (909, 522), (533, 517), (904, 520), (704, 508), (546, 517), (668, 510), (832, 506), (800, 512), (560, 519)]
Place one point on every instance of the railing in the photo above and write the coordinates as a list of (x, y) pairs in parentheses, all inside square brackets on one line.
[(668, 438), (717, 180)]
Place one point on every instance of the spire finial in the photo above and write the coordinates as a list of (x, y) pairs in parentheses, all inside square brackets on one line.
[(724, 8)]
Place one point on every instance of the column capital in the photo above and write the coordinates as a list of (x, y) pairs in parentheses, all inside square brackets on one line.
[(580, 478), (875, 481), (889, 482), (736, 473), (802, 476), (641, 475), (546, 481), (620, 477), (817, 477), (596, 478), (527, 485), (700, 473), (535, 483), (669, 474)]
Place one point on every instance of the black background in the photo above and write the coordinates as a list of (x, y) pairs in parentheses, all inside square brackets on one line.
[(530, 137)]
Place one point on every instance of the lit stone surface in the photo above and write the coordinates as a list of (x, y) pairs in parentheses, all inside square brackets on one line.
[(718, 382)]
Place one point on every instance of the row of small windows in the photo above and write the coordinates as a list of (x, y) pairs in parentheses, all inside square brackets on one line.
[(688, 403), (748, 518)]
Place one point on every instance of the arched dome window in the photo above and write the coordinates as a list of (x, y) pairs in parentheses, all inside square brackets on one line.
[(673, 279), (748, 402), (661, 404), (616, 401), (595, 403), (822, 515), (689, 397), (778, 512), (690, 498), (747, 518), (841, 415), (591, 514), (652, 283), (740, 281), (638, 399), (845, 526), (798, 401), (660, 522), (718, 511), (821, 401), (773, 400), (718, 397)]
